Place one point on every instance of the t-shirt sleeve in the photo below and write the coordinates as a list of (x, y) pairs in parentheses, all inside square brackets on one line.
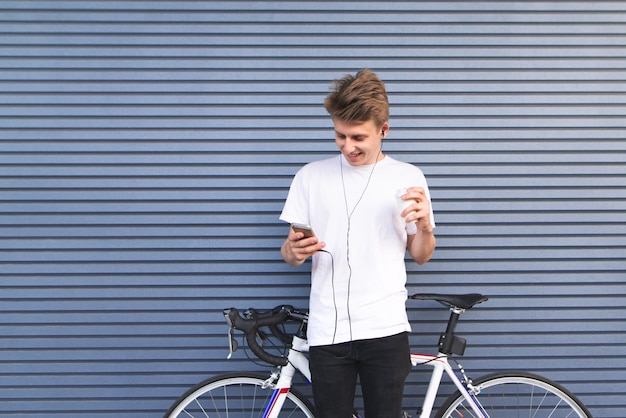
[(296, 208)]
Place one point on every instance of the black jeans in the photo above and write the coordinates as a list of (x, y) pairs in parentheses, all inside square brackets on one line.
[(382, 365)]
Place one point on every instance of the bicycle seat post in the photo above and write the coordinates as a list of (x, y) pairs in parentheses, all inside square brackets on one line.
[(448, 342)]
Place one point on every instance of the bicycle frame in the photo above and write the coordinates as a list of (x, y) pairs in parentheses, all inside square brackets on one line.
[(298, 361), (440, 363)]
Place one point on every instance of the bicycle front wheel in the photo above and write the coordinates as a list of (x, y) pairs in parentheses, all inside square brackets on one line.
[(236, 395), (516, 394)]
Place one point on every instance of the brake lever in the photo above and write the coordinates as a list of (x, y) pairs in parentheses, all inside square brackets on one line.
[(232, 343)]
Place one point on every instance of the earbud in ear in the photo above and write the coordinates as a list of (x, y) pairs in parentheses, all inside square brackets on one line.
[(383, 132)]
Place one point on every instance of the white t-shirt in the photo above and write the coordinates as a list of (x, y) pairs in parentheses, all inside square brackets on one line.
[(359, 292)]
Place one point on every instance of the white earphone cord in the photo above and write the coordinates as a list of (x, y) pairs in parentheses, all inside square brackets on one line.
[(349, 216)]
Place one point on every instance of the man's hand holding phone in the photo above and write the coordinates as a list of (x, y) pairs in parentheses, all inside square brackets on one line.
[(301, 243)]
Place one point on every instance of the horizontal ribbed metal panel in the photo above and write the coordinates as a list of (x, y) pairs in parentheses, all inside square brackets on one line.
[(147, 147)]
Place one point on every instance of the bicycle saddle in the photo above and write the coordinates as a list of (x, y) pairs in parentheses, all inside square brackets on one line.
[(466, 301)]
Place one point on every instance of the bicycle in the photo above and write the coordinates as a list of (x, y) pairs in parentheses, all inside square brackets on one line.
[(500, 394)]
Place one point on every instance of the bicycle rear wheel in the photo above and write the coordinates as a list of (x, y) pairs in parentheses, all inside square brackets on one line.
[(236, 395), (516, 394)]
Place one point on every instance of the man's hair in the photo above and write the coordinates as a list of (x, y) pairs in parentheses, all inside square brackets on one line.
[(358, 99)]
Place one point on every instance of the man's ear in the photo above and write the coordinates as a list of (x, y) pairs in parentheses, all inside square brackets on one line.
[(384, 129)]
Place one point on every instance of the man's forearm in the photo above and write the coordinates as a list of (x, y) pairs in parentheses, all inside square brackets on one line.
[(422, 246)]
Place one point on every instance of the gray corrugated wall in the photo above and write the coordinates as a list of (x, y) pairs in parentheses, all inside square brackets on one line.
[(146, 149)]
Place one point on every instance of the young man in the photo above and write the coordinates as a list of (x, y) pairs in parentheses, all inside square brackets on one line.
[(358, 325)]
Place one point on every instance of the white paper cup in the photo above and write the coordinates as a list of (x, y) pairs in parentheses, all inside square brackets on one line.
[(403, 204)]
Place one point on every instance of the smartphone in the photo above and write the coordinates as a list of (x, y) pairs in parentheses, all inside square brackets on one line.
[(306, 229)]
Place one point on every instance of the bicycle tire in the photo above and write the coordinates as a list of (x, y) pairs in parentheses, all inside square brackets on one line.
[(236, 395), (516, 394)]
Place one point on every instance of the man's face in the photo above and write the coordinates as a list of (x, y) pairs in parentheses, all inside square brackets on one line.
[(360, 143)]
